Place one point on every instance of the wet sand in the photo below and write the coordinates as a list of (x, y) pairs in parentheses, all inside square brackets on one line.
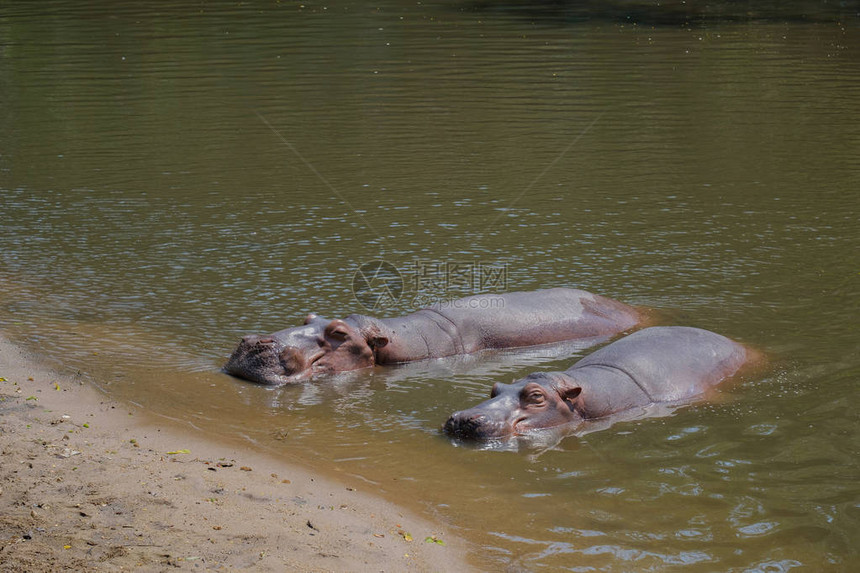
[(89, 484)]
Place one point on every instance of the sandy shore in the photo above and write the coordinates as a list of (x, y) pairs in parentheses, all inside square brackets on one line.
[(87, 484)]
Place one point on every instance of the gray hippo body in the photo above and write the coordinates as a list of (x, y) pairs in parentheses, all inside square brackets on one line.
[(656, 365), (462, 326)]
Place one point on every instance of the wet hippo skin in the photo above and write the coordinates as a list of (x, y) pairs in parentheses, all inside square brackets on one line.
[(462, 326), (672, 364)]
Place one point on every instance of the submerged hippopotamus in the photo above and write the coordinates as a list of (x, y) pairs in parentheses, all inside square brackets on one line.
[(462, 326), (671, 364)]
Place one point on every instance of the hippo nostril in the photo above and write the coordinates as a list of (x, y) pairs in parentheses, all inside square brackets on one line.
[(257, 340)]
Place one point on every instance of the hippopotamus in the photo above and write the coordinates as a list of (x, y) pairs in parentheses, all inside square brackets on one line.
[(462, 326), (670, 364)]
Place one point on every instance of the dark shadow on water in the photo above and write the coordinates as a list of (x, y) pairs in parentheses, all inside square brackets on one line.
[(669, 14)]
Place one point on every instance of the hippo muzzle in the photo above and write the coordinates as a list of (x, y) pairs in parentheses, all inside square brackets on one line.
[(266, 360), (491, 419)]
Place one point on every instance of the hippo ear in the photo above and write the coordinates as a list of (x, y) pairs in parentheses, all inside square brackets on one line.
[(377, 341), (310, 318), (570, 392), (337, 329)]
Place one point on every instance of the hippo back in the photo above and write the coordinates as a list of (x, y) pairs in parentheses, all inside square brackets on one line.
[(669, 363), (530, 318)]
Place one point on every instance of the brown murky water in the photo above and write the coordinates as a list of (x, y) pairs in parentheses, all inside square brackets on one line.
[(172, 178)]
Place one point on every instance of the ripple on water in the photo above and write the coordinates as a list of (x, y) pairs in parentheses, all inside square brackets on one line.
[(757, 529), (773, 566)]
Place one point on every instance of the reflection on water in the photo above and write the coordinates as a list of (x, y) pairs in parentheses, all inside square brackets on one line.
[(696, 159)]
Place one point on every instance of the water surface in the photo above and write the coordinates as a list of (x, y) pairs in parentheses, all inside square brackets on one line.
[(175, 177)]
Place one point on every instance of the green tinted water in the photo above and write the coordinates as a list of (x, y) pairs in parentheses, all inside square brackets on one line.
[(173, 178)]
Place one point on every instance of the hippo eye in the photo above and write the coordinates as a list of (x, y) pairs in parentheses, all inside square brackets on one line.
[(535, 397)]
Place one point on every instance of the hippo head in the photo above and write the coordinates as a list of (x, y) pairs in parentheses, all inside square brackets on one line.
[(320, 346), (541, 400)]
